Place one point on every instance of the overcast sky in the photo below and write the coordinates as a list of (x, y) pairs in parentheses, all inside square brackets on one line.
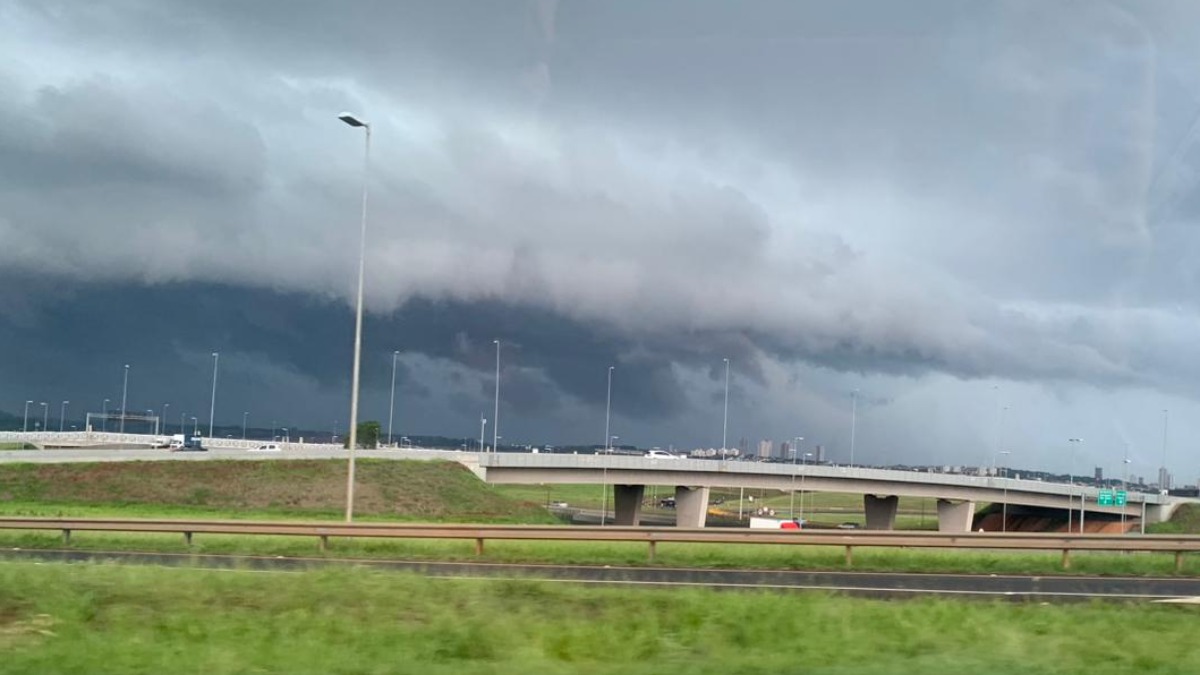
[(978, 215)]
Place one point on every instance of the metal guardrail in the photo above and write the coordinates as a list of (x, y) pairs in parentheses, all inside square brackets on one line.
[(1176, 544)]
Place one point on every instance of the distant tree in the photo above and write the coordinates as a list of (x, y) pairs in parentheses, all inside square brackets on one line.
[(368, 435)]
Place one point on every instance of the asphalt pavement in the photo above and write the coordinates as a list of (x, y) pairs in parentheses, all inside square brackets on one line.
[(1065, 588)]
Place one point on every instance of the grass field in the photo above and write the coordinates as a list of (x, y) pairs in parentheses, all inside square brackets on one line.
[(111, 619), (315, 489), (16, 446)]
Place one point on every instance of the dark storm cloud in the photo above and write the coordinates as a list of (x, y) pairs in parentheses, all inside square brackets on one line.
[(975, 190)]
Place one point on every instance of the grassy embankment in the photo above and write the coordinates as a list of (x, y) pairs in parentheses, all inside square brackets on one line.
[(111, 619), (17, 446), (420, 491), (309, 489)]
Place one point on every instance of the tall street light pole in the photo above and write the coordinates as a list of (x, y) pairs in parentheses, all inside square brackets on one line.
[(45, 416), (725, 424), (1003, 504), (1071, 486), (105, 422), (212, 405), (496, 411), (124, 397), (853, 423), (246, 417), (25, 424), (1124, 483), (62, 416), (482, 430), (608, 408), (163, 417), (392, 401), (354, 121)]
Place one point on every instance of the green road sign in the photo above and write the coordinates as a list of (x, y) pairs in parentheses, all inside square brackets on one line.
[(1105, 498), (1121, 494)]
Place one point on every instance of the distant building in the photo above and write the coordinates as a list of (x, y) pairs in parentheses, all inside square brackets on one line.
[(820, 454), (1164, 479), (785, 450), (1099, 475), (764, 449)]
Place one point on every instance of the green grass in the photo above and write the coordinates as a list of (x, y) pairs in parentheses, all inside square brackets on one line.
[(715, 556), (110, 619), (312, 489), (1185, 520), (17, 446)]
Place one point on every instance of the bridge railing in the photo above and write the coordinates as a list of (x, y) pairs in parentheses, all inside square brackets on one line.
[(1178, 545)]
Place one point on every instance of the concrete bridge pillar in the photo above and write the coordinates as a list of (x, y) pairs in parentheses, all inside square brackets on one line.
[(955, 516), (628, 503), (881, 511), (691, 506)]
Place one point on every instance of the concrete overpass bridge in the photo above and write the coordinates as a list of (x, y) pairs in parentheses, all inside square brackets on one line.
[(956, 494)]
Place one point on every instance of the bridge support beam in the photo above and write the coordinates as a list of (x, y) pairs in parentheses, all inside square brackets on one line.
[(628, 502), (691, 506), (955, 516), (881, 511)]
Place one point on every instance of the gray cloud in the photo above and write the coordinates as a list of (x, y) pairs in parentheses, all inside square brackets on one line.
[(973, 191)]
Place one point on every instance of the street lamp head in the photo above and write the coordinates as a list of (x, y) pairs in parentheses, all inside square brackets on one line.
[(353, 121), (496, 342)]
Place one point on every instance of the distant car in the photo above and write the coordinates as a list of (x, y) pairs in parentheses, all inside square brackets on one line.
[(160, 442), (558, 505), (666, 503), (848, 526), (660, 454), (267, 447)]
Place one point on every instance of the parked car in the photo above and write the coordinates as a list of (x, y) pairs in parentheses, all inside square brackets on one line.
[(267, 447), (660, 454)]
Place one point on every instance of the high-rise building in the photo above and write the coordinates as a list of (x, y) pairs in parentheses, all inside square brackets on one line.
[(1099, 474), (764, 449), (1164, 479), (785, 450), (820, 457)]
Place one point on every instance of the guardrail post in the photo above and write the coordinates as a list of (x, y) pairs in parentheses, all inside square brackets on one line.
[(187, 538), (653, 546), (324, 545), (849, 555), (66, 537), (1178, 561), (1066, 559), (479, 546)]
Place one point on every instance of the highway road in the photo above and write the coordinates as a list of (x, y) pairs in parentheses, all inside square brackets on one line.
[(63, 455), (868, 584)]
